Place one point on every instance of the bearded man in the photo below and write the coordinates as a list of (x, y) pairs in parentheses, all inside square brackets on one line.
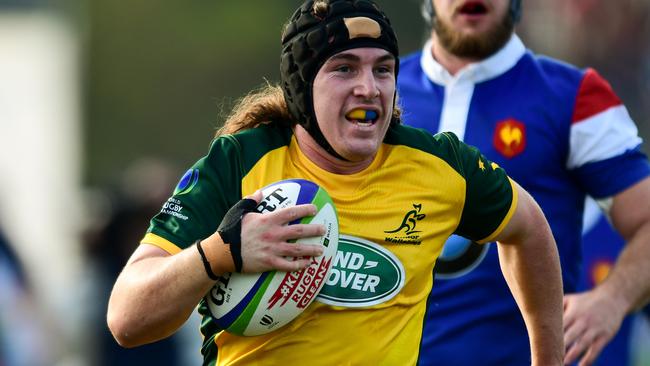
[(563, 134)]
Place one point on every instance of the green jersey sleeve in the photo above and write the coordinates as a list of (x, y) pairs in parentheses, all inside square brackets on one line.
[(490, 198), (201, 198), (211, 186)]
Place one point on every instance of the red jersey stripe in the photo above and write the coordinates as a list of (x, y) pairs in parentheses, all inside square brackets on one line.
[(595, 95)]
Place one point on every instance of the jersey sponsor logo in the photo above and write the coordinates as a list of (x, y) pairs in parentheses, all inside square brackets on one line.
[(187, 182), (363, 274), (459, 256), (406, 232), (510, 138)]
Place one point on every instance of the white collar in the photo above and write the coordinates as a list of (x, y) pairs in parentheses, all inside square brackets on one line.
[(489, 68)]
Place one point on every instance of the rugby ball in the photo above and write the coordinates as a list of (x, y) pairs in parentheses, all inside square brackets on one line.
[(251, 304)]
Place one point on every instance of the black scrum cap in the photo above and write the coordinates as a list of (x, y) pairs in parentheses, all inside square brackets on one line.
[(314, 34)]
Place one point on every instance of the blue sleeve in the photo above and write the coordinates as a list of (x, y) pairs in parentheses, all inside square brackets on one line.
[(608, 177)]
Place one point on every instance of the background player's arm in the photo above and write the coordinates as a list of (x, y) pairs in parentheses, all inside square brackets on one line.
[(592, 318), (530, 264), (630, 277)]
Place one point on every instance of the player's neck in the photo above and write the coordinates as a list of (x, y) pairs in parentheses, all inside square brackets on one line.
[(452, 63), (317, 154)]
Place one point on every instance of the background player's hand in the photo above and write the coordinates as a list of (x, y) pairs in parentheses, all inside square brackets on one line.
[(265, 239), (591, 319)]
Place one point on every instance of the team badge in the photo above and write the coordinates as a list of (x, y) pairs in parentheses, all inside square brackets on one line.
[(406, 232), (510, 138)]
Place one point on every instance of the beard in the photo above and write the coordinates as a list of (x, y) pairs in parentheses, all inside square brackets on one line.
[(476, 47)]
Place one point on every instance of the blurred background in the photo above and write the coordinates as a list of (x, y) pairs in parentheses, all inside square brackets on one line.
[(104, 105)]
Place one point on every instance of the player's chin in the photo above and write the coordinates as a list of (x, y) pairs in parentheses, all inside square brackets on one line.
[(361, 152)]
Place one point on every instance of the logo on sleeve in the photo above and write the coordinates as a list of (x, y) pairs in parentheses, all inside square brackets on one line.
[(459, 257), (510, 138), (406, 232), (187, 182), (363, 274), (174, 207)]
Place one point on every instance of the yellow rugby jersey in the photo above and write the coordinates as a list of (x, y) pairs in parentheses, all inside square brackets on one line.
[(394, 218)]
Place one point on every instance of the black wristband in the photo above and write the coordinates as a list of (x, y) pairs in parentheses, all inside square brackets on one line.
[(230, 228), (206, 263)]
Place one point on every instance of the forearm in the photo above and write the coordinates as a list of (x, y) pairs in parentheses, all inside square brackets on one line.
[(156, 293), (531, 266), (629, 279), (154, 296), (532, 271)]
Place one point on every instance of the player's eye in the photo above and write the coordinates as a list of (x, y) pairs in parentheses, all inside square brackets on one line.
[(384, 69), (343, 68)]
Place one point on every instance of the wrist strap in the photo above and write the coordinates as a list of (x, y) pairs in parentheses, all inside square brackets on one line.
[(230, 229), (206, 263)]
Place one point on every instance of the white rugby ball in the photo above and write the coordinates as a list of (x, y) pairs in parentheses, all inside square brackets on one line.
[(251, 304)]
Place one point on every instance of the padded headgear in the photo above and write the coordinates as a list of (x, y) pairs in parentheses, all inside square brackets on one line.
[(429, 12), (309, 39)]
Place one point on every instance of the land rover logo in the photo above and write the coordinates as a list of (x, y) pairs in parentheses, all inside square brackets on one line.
[(363, 274)]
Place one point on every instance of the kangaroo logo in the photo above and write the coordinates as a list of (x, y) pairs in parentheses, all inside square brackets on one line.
[(409, 221)]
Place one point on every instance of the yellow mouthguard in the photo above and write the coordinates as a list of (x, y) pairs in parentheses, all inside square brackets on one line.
[(361, 114)]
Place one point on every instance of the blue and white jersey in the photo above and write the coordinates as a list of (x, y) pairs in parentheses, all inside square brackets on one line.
[(560, 132)]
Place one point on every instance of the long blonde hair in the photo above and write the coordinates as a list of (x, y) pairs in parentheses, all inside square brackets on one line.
[(260, 106)]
